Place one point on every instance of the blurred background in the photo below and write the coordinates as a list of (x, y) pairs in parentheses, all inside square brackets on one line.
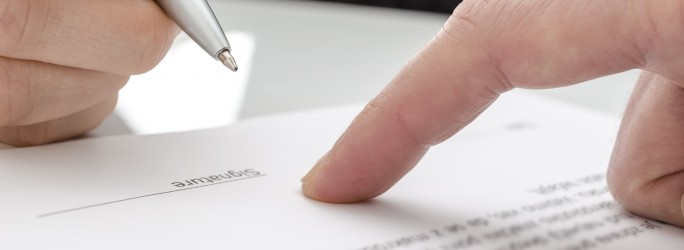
[(302, 54)]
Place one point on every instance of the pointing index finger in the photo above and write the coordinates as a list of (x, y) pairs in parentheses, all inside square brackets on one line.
[(485, 49), (431, 99)]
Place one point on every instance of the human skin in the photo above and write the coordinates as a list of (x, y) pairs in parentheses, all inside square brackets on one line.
[(63, 62), (489, 47)]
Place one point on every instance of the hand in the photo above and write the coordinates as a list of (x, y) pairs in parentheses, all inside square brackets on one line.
[(63, 62), (491, 46)]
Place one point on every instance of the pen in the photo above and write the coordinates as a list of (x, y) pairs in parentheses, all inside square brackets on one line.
[(196, 18)]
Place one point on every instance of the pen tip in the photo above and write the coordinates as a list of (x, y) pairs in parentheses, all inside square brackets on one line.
[(228, 60)]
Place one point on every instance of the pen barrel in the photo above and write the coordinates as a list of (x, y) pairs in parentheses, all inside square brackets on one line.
[(196, 18)]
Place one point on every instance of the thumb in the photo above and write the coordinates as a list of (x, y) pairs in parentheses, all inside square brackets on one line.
[(646, 173)]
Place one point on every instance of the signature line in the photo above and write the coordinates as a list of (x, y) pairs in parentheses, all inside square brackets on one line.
[(140, 197)]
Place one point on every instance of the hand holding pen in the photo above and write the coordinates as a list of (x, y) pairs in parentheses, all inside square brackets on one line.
[(63, 62)]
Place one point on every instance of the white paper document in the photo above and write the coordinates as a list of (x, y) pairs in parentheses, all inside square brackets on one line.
[(528, 174)]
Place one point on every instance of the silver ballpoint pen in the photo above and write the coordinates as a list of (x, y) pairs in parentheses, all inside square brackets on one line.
[(196, 18)]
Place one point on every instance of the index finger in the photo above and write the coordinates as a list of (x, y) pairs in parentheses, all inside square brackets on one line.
[(460, 73), (420, 108)]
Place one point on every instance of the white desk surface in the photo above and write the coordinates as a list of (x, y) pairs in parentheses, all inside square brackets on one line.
[(318, 54)]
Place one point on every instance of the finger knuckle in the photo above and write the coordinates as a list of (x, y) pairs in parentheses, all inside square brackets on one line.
[(153, 41), (21, 23), (16, 137), (26, 136), (13, 22), (15, 94), (659, 33), (5, 95), (632, 189)]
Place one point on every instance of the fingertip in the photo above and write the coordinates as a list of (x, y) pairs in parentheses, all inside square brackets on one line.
[(321, 184), (308, 182)]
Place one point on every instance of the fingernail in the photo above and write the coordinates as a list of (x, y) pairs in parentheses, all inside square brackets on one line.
[(311, 175)]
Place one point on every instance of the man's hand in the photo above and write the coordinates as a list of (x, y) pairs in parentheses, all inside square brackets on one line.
[(491, 46), (63, 62)]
